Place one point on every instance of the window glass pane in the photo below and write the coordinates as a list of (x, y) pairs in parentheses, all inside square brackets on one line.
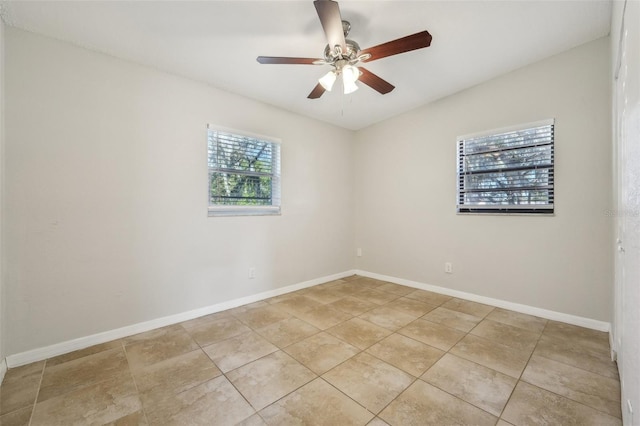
[(507, 171), (236, 189), (243, 172)]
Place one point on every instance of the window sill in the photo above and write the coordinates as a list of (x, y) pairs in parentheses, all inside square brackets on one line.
[(244, 211)]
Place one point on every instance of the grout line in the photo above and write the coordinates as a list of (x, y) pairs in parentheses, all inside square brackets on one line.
[(135, 384), (35, 401)]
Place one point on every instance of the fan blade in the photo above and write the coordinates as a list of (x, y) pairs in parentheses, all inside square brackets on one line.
[(282, 60), (375, 82), (329, 14), (316, 92), (401, 45)]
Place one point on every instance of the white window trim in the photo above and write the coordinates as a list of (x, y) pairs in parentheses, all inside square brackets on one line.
[(272, 210)]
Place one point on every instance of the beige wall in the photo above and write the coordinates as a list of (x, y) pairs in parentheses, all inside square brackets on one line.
[(406, 223), (106, 206)]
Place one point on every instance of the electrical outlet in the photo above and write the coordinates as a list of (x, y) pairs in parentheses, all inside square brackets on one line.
[(252, 273), (359, 252), (448, 268)]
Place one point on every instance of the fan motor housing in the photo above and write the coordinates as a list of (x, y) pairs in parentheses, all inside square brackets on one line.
[(332, 55)]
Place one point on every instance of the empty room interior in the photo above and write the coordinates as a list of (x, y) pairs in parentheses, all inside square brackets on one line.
[(320, 213)]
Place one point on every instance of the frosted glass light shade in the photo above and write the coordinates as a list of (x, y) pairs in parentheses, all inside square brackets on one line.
[(327, 80), (349, 87), (350, 74)]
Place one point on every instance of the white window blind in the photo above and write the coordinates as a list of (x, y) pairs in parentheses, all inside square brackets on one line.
[(508, 171), (244, 174)]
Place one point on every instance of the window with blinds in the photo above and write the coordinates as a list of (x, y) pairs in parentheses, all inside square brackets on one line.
[(244, 174), (507, 171)]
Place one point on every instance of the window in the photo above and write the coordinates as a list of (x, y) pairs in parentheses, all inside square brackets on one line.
[(244, 174), (507, 171)]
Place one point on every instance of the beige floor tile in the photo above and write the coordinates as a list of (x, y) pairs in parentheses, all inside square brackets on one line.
[(82, 372), (400, 290), (377, 421), (254, 420), (326, 295), (116, 344), (594, 340), (468, 307), (99, 403), (410, 306), (516, 319), (432, 334), (516, 337), (407, 354), (316, 403), (567, 352), (268, 379), (601, 393), (503, 423), (20, 387), (154, 346), (428, 297), (530, 405), (166, 378), (262, 317), (281, 298), (359, 333), (214, 330), (367, 282), (423, 404), (481, 386), (352, 305), (215, 402), (205, 319), (321, 352), (297, 304), (287, 332), (388, 318), (134, 419), (369, 381), (244, 308), (375, 296), (19, 417), (502, 358), (454, 319), (350, 288), (240, 350), (324, 316)]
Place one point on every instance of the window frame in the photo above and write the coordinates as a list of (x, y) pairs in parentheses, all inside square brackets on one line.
[(505, 209), (274, 209)]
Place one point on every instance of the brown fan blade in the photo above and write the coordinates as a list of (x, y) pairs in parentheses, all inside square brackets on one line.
[(375, 82), (282, 60), (316, 92), (329, 14), (401, 45)]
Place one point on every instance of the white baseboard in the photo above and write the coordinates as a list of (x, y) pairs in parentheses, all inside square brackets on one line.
[(517, 307), (40, 354), (3, 369)]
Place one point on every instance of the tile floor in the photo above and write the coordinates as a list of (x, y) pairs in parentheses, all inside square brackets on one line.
[(349, 352)]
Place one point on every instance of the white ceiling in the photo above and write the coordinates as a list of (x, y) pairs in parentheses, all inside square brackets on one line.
[(217, 42)]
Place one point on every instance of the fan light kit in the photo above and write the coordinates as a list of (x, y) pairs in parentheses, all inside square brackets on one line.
[(344, 54)]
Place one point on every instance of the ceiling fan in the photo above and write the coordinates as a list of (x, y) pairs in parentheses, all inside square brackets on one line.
[(344, 54)]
